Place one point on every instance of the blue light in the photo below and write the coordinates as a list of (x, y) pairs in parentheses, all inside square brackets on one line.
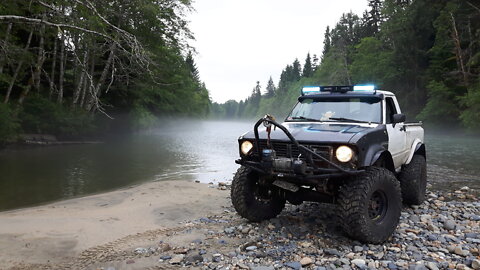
[(310, 89), (369, 87)]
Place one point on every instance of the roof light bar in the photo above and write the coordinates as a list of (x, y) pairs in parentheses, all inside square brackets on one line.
[(310, 90), (369, 87)]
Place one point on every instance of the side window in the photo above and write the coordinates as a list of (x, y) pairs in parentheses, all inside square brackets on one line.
[(390, 110)]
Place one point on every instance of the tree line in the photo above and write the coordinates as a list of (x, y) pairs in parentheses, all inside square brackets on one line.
[(75, 67), (425, 51)]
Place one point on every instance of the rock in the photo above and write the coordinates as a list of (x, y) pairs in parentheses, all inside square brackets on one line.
[(392, 266), (459, 251), (449, 225), (245, 230), (294, 265), (130, 262), (141, 250), (475, 217), (306, 261), (194, 258), (334, 252), (271, 227), (229, 230), (431, 266), (461, 266), (177, 259), (251, 248), (359, 263), (165, 257), (357, 249), (476, 264), (242, 266), (262, 268)]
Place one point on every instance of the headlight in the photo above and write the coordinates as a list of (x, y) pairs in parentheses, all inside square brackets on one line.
[(344, 153), (246, 147)]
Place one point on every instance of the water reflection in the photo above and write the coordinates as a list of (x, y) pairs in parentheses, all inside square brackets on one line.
[(197, 150)]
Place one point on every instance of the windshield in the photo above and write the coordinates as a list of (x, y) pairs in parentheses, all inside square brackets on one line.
[(335, 109)]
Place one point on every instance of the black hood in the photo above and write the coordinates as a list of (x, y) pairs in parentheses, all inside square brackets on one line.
[(312, 132)]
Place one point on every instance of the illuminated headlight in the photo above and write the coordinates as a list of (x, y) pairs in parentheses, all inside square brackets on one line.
[(246, 147), (344, 153)]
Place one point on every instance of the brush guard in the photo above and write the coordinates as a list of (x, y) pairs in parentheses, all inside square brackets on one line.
[(298, 171)]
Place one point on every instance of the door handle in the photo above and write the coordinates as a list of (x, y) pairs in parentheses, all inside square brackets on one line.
[(403, 128)]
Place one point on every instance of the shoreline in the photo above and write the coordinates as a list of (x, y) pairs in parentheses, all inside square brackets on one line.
[(57, 232), (172, 224)]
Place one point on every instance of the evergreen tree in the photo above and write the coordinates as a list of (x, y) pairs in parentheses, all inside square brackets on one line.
[(327, 42), (307, 67), (270, 88), (193, 67), (296, 71)]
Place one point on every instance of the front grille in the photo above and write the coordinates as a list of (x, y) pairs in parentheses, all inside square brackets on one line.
[(289, 150)]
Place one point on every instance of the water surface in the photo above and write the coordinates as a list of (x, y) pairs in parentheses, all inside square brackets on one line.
[(188, 150)]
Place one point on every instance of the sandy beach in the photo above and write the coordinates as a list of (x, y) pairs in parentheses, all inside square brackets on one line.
[(48, 236)]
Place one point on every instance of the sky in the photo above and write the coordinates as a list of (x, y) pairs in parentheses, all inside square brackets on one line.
[(241, 42)]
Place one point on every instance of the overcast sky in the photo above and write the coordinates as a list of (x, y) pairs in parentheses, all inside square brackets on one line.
[(241, 42)]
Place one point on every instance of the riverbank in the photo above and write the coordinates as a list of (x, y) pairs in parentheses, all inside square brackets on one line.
[(172, 224), (49, 236)]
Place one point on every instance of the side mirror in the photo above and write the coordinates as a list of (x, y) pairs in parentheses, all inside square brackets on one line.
[(398, 118)]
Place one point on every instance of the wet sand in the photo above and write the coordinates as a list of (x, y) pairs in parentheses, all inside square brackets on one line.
[(48, 235)]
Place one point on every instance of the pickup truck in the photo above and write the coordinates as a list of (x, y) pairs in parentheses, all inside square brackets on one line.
[(346, 145)]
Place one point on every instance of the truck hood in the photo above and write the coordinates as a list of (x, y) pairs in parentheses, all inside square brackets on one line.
[(313, 132)]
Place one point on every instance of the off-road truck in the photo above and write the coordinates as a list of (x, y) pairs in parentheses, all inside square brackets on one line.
[(346, 145)]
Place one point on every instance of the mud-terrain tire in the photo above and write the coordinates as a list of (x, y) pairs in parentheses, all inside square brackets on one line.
[(253, 201), (370, 205), (413, 181)]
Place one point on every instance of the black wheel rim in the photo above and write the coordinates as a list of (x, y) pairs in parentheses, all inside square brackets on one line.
[(377, 207), (262, 193)]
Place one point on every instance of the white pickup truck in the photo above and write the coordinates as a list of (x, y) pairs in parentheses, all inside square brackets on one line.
[(348, 145)]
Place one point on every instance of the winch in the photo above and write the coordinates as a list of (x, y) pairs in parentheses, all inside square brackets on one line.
[(282, 164)]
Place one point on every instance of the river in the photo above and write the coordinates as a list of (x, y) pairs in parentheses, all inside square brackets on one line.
[(191, 150)]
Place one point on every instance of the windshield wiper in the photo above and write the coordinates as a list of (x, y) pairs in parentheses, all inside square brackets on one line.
[(305, 118), (343, 119)]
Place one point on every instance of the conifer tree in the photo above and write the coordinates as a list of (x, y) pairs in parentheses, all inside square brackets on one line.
[(270, 88), (307, 67)]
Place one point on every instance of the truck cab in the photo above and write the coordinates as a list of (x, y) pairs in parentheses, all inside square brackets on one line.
[(335, 140)]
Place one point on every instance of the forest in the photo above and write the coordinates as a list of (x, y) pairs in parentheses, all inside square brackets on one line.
[(73, 68), (425, 51)]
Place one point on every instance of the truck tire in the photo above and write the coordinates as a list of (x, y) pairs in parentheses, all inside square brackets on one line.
[(413, 181), (370, 205), (252, 200)]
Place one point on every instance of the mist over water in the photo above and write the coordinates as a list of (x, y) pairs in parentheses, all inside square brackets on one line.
[(179, 150)]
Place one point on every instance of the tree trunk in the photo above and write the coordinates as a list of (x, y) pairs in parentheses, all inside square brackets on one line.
[(62, 69), (458, 51), (19, 67), (52, 73), (40, 58), (79, 87), (7, 35), (93, 100), (26, 90), (88, 86)]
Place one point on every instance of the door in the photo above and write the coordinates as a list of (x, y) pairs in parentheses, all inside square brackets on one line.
[(397, 137)]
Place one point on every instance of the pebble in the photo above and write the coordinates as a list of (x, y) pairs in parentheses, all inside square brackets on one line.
[(439, 234), (177, 259), (449, 225), (476, 264), (294, 265), (359, 263), (306, 261)]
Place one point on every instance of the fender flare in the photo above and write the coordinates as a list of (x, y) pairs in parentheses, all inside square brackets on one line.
[(418, 147), (387, 159)]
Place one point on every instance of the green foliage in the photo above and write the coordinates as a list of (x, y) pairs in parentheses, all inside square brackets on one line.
[(40, 115), (9, 125)]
